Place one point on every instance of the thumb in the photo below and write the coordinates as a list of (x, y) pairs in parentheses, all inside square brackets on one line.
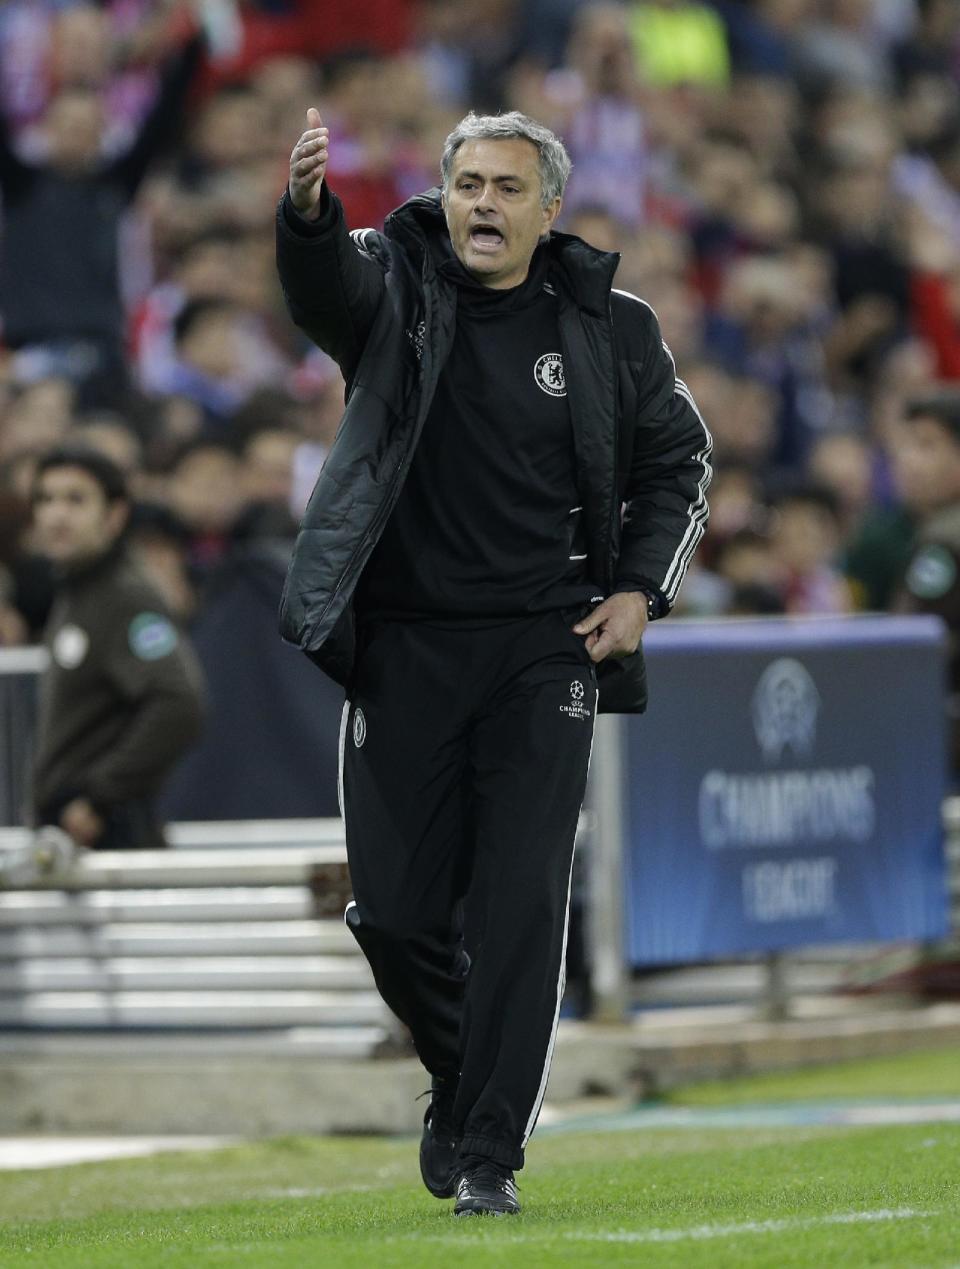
[(601, 649), (313, 118), (591, 620)]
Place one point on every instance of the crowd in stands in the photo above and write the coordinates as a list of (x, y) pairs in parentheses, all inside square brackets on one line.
[(782, 178)]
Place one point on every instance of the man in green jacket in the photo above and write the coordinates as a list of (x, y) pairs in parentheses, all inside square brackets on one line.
[(122, 698)]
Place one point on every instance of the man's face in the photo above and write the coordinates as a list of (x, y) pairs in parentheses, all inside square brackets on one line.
[(927, 465), (74, 127), (73, 517), (493, 209)]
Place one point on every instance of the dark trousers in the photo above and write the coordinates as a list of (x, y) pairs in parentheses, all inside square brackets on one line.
[(465, 749)]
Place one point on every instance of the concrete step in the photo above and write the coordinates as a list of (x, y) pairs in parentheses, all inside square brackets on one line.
[(270, 834), (224, 938), (180, 974), (133, 870), (203, 1009), (281, 1082), (94, 907), (717, 984), (93, 1048)]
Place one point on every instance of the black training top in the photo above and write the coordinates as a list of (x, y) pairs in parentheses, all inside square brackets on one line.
[(487, 523)]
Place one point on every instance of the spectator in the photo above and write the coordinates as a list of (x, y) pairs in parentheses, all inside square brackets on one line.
[(843, 44), (378, 163), (266, 475), (159, 541), (805, 541), (59, 254), (121, 699), (842, 462), (766, 327), (14, 516), (930, 49), (930, 469), (109, 435), (747, 564), (935, 292), (878, 551), (222, 354), (465, 58), (736, 497), (678, 42), (605, 129), (205, 495)]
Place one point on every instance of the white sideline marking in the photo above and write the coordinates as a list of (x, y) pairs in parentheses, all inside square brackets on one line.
[(315, 1191), (786, 1115), (701, 1233), (20, 1153)]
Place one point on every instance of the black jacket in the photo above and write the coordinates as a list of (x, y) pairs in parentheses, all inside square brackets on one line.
[(375, 303)]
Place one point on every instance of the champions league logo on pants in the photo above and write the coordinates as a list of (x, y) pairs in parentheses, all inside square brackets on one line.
[(576, 707)]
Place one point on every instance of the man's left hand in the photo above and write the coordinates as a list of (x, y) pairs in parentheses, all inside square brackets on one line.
[(615, 628), (82, 822)]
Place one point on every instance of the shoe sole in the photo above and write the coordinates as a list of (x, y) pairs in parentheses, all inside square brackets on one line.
[(486, 1211), (441, 1192), (439, 1189)]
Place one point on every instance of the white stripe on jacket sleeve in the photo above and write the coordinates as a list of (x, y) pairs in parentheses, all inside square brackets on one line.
[(697, 511)]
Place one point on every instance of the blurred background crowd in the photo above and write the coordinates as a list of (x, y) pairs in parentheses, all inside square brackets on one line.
[(782, 178)]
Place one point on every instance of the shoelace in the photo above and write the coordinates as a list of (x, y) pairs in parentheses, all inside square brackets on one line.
[(439, 1112), (490, 1174)]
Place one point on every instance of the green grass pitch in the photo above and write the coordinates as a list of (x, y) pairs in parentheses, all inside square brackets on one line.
[(720, 1198)]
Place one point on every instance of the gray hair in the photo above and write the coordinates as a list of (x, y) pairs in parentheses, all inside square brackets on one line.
[(555, 162)]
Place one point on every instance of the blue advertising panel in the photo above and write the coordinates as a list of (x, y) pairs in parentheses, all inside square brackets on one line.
[(785, 787)]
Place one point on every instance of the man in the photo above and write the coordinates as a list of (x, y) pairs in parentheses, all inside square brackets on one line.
[(928, 472), (121, 700), (462, 570), (60, 293)]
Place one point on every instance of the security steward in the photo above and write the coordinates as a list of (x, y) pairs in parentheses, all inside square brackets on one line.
[(516, 487), (122, 697), (928, 461)]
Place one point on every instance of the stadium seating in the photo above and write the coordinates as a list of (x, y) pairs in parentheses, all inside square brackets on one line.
[(238, 928)]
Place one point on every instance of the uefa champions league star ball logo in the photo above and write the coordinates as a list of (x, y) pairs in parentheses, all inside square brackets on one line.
[(576, 707), (785, 706)]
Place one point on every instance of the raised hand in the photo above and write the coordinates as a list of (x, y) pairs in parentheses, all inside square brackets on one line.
[(308, 165)]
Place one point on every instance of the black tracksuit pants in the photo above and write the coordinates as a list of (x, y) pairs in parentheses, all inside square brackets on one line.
[(464, 755)]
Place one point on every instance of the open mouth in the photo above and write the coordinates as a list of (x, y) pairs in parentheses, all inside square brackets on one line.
[(486, 238)]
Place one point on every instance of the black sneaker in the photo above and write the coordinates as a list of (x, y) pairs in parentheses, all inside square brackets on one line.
[(486, 1186), (439, 1145)]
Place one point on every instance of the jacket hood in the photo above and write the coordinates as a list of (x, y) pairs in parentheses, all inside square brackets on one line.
[(587, 271)]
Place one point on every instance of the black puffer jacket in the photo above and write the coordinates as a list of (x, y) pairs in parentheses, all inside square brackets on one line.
[(375, 302)]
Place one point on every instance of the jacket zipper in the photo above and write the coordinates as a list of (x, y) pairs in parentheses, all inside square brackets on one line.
[(615, 500)]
